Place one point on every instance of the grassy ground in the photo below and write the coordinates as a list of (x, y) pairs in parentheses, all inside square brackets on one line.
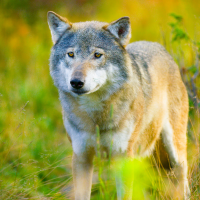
[(35, 154)]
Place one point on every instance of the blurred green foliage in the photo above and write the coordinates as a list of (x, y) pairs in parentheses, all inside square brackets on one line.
[(35, 154), (140, 175), (178, 33)]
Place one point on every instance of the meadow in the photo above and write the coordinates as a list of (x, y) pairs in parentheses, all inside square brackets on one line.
[(35, 154)]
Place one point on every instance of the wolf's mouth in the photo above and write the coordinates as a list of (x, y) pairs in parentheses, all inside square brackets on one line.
[(79, 92)]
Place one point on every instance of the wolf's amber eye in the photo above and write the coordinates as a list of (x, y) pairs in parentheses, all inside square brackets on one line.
[(71, 54), (97, 55)]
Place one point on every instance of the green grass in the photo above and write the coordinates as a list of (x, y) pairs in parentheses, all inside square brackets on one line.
[(35, 154)]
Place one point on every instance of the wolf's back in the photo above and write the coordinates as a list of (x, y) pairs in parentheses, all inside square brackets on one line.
[(153, 62), (144, 51)]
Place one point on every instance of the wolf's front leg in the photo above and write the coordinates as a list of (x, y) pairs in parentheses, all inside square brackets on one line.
[(82, 175)]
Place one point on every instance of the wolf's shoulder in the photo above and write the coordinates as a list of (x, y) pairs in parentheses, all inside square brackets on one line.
[(144, 44), (145, 49)]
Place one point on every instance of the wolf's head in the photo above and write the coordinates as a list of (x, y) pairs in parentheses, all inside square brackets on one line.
[(88, 56)]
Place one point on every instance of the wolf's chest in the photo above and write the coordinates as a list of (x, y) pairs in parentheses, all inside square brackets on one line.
[(115, 141)]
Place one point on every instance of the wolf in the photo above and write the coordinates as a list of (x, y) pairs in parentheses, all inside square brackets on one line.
[(94, 68)]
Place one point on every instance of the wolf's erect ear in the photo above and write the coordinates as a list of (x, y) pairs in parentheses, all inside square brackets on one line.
[(121, 29), (57, 25)]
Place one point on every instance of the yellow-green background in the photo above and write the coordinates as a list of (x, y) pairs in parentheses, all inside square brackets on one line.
[(35, 155)]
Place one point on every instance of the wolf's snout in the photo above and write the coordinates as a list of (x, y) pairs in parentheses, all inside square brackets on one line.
[(76, 83)]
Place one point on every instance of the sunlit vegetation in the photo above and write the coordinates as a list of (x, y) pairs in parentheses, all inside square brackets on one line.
[(35, 154)]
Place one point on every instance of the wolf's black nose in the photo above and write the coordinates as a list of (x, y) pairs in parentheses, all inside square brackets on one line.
[(76, 83)]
